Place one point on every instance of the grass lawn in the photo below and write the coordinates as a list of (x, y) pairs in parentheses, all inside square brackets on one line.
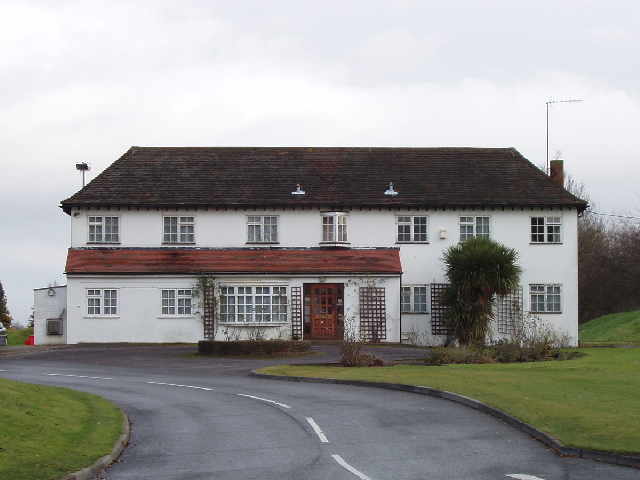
[(592, 402), (49, 432), (617, 328)]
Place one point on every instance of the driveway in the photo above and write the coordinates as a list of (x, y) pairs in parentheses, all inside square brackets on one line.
[(206, 418)]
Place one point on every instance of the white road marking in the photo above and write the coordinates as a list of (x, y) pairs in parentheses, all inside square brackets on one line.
[(339, 459), (316, 429), (179, 385), (522, 476), (76, 376), (265, 400)]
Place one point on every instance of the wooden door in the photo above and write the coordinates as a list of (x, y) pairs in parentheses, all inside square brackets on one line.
[(324, 311)]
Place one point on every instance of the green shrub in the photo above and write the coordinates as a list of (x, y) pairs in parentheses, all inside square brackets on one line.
[(240, 348)]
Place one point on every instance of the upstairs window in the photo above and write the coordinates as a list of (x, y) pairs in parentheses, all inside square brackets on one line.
[(262, 229), (104, 229), (414, 298), (177, 302), (334, 227), (546, 229), (411, 229), (102, 302), (545, 298), (473, 227), (179, 230)]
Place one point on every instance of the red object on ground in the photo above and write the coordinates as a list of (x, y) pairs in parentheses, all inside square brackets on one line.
[(30, 340)]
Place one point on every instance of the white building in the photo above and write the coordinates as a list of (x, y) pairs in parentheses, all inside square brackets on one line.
[(298, 241), (49, 315)]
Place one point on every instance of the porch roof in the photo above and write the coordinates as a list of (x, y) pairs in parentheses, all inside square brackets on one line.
[(155, 261)]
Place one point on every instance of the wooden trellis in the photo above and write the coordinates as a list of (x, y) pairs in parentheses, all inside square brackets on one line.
[(209, 311), (296, 313), (373, 314), (438, 323)]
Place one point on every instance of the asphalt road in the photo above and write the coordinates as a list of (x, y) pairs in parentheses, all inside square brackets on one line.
[(205, 418)]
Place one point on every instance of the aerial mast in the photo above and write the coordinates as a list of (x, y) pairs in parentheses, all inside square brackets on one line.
[(550, 103)]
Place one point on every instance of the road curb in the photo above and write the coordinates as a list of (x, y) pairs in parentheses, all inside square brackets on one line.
[(539, 435), (104, 462)]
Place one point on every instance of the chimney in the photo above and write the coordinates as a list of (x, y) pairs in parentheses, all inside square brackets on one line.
[(556, 171)]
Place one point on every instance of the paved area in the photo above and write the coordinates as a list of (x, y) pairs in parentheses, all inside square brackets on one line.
[(198, 417)]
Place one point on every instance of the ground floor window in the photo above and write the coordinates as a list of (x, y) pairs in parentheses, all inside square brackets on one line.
[(253, 304), (414, 298), (545, 298), (102, 302), (177, 302)]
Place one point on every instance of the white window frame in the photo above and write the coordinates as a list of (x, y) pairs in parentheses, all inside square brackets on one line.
[(178, 229), (103, 229), (545, 298), (414, 298), (412, 229), (546, 229), (334, 227), (474, 226), (253, 304), (102, 302), (262, 228), (176, 302)]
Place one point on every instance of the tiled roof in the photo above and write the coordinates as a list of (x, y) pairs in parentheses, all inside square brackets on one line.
[(233, 261), (346, 177)]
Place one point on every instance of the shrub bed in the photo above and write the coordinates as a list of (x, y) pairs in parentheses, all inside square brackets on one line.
[(243, 348)]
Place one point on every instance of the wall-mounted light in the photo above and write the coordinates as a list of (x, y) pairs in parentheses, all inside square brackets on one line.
[(443, 233), (322, 279)]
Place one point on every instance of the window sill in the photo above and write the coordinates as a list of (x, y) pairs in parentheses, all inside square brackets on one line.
[(103, 243), (255, 324), (335, 244), (545, 313), (409, 243), (178, 243), (416, 313), (545, 243), (181, 317), (115, 317), (262, 243)]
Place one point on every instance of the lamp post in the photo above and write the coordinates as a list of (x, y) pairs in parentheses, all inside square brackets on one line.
[(83, 167)]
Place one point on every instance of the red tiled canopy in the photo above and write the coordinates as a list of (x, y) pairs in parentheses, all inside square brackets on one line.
[(232, 261)]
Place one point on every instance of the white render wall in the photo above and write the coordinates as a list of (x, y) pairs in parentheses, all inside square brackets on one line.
[(422, 264), (45, 306), (139, 317)]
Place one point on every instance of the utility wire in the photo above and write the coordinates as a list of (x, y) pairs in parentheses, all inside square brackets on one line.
[(628, 217)]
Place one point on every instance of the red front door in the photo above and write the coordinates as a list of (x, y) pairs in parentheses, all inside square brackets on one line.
[(324, 311)]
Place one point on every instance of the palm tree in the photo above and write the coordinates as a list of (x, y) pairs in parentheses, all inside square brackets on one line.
[(477, 270)]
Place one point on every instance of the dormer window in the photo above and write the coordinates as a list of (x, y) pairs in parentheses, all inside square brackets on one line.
[(334, 227)]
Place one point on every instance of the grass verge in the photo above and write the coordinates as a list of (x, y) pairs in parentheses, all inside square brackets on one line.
[(18, 337), (48, 432), (614, 329), (590, 402)]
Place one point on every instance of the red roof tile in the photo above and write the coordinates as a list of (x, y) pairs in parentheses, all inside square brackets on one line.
[(232, 261)]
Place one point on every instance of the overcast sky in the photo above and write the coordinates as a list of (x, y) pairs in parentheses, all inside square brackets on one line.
[(82, 81)]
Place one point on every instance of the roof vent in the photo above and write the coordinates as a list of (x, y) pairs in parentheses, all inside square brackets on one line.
[(390, 190), (298, 191)]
